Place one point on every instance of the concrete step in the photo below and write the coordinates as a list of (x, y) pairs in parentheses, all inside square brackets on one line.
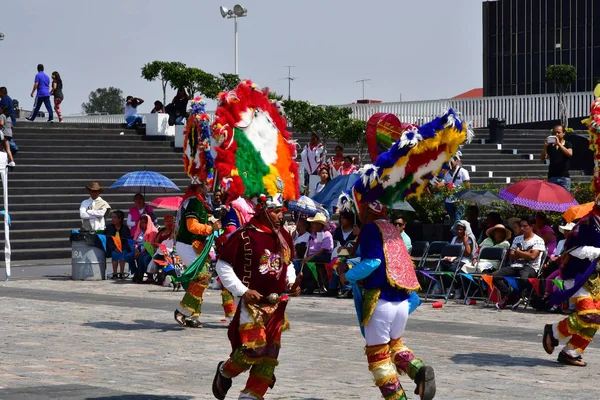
[(97, 146), (58, 184), (15, 193), (34, 244), (165, 167), (24, 234), (115, 205), (38, 254), (100, 176), (77, 198), (72, 213)]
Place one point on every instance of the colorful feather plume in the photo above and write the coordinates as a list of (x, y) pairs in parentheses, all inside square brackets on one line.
[(253, 151), (406, 168), (593, 124)]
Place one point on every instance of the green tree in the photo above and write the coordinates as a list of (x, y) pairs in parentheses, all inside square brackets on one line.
[(196, 81), (562, 75), (274, 96), (353, 133), (105, 100), (163, 71)]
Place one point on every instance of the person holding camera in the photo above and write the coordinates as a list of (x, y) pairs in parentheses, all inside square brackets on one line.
[(558, 150), (525, 259)]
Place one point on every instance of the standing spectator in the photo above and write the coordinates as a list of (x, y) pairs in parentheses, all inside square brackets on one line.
[(348, 166), (120, 231), (525, 257), (140, 207), (311, 158), (335, 163), (41, 86), (6, 134), (131, 116), (177, 110), (558, 150), (158, 108), (92, 210), (325, 179), (7, 104), (57, 91), (455, 178), (400, 223)]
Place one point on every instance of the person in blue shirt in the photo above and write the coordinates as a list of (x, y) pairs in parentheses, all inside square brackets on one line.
[(387, 276), (7, 104), (41, 87)]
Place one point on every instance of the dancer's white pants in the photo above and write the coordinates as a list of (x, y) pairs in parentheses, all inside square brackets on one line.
[(387, 322)]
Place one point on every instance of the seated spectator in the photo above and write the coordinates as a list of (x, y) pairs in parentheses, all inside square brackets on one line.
[(497, 236), (472, 217), (119, 230), (301, 237), (525, 258), (400, 223), (552, 268), (543, 230), (159, 108), (514, 224), (345, 234), (138, 209), (144, 232), (165, 236), (177, 110), (348, 166), (7, 104), (462, 235), (325, 178), (131, 116), (492, 219), (320, 244), (6, 134)]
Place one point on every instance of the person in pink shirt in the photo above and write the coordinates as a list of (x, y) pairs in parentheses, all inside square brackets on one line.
[(543, 230)]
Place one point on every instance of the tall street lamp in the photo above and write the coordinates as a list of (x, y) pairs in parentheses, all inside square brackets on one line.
[(237, 12)]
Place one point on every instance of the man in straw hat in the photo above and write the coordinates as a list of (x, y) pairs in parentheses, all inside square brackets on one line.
[(93, 210), (255, 264)]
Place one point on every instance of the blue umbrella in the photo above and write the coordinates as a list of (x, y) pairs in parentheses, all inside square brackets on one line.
[(307, 206), (146, 181), (328, 197)]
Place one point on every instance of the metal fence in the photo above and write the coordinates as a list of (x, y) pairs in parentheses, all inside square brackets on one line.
[(515, 109)]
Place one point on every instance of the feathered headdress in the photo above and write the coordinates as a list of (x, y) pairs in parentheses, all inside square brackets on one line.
[(406, 168), (593, 124), (254, 155), (198, 161)]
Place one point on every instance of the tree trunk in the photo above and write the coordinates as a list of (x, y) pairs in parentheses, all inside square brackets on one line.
[(164, 88)]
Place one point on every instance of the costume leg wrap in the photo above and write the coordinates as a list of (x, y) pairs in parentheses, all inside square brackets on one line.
[(405, 359), (580, 326), (382, 368), (261, 376), (236, 364), (228, 303), (192, 300)]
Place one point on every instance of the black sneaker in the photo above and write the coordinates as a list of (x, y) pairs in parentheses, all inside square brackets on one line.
[(51, 121), (29, 119)]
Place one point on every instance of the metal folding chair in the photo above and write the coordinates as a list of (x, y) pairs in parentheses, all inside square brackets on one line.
[(540, 272), (419, 252), (486, 253), (429, 261), (451, 250)]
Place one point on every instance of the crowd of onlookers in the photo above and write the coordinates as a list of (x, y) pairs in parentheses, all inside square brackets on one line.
[(177, 109)]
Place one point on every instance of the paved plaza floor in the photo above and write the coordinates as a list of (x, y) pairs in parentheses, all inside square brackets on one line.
[(62, 339)]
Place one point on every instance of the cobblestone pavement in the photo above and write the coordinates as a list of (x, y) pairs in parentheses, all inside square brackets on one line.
[(62, 339)]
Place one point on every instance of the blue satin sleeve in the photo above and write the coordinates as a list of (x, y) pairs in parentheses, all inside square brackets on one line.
[(362, 269)]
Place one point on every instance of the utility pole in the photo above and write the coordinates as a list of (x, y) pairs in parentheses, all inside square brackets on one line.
[(363, 86), (290, 79)]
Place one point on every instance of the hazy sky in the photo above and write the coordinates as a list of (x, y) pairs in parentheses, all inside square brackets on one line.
[(422, 49)]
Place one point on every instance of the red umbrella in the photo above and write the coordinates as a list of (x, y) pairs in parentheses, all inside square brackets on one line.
[(538, 195), (170, 203)]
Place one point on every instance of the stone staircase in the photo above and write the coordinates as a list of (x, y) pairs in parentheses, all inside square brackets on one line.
[(56, 162), (517, 158)]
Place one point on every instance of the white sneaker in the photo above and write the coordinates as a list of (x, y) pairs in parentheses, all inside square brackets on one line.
[(11, 164)]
